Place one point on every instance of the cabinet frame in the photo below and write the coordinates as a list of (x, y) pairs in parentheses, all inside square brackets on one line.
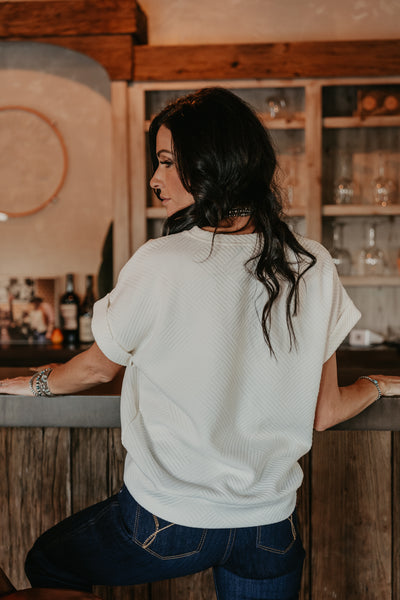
[(313, 123)]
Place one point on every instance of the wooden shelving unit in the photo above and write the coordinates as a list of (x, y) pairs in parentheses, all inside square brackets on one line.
[(300, 136)]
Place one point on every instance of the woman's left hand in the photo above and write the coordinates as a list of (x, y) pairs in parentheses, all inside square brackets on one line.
[(18, 386)]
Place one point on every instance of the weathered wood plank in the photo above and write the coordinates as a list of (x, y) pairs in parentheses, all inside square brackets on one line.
[(89, 483), (72, 17), (193, 587), (55, 477), (282, 60), (136, 592), (351, 515), (89, 457), (34, 491), (5, 499), (396, 514), (116, 460), (113, 52), (161, 590)]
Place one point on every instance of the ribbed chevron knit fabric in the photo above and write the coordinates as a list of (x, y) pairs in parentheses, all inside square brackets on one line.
[(213, 424)]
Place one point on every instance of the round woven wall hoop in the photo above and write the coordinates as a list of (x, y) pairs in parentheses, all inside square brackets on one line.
[(59, 185)]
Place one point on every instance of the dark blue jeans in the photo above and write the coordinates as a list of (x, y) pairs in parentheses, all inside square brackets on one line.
[(118, 542)]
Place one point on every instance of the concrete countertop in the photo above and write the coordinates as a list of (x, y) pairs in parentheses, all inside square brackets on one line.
[(99, 407)]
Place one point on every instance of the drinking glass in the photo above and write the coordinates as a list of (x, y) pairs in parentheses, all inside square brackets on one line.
[(277, 106)]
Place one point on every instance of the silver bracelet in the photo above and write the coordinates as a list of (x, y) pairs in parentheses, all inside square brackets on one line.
[(39, 384), (376, 384)]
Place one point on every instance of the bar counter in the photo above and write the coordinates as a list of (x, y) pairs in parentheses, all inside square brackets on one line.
[(59, 455), (99, 407)]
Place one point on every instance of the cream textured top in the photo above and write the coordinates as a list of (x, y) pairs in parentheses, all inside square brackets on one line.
[(212, 423)]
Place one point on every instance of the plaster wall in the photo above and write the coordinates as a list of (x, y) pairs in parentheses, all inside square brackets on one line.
[(251, 21), (73, 91)]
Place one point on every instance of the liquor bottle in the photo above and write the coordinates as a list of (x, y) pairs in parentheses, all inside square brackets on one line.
[(86, 313), (69, 308), (371, 260), (341, 256), (384, 189), (346, 189)]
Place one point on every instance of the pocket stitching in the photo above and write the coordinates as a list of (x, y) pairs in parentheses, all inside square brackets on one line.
[(276, 550), (154, 534)]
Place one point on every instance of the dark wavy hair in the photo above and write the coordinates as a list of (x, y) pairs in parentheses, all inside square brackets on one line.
[(225, 159)]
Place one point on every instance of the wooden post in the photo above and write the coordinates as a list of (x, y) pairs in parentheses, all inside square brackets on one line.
[(138, 166), (120, 176), (313, 143)]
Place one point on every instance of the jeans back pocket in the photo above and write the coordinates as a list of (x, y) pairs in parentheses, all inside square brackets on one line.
[(278, 537), (164, 539)]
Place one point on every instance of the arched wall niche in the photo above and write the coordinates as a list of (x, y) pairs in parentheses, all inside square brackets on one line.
[(74, 66), (74, 92)]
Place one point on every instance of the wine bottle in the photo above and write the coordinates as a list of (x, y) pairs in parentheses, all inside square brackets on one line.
[(69, 309), (86, 313)]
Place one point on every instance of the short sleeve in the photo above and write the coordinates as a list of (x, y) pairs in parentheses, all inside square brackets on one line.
[(103, 334), (123, 318)]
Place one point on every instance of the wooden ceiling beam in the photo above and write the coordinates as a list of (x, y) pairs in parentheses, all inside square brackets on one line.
[(51, 18), (259, 61)]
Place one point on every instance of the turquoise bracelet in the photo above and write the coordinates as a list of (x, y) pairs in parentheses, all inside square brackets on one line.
[(376, 384), (38, 383)]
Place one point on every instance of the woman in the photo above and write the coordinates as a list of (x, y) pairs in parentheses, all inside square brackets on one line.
[(227, 328)]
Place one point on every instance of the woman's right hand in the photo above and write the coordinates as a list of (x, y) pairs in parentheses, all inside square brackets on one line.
[(389, 384)]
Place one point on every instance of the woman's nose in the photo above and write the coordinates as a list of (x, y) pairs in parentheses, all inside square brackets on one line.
[(155, 181)]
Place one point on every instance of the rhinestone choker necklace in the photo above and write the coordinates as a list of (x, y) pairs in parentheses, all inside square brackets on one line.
[(240, 212)]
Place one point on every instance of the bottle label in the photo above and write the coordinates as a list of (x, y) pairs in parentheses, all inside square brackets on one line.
[(85, 329), (69, 315)]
